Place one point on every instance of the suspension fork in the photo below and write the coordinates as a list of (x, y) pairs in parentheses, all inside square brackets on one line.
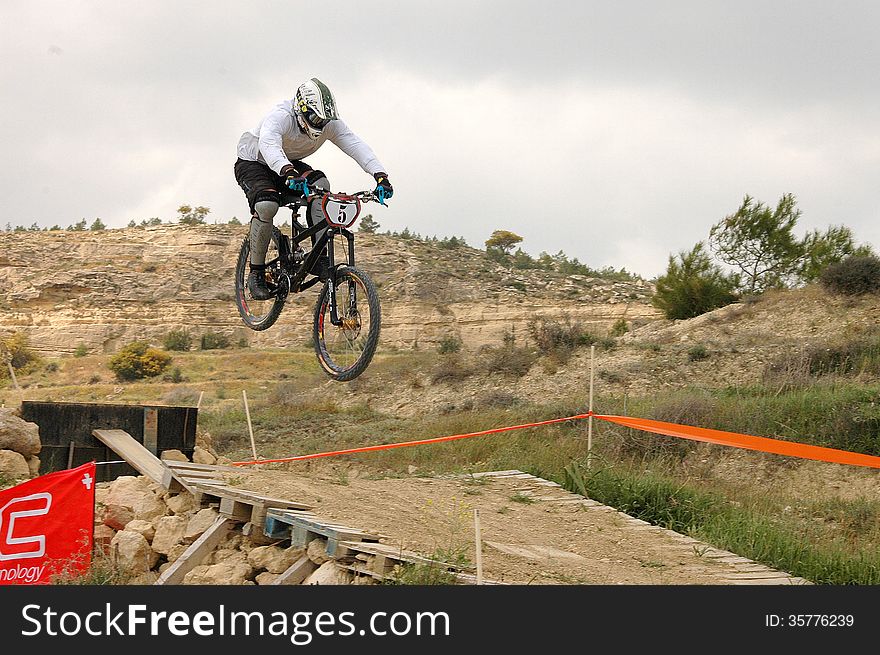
[(331, 280)]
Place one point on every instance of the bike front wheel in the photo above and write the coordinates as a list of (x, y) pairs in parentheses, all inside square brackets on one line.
[(260, 314), (345, 350)]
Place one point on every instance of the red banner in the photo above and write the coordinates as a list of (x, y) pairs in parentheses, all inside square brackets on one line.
[(46, 526)]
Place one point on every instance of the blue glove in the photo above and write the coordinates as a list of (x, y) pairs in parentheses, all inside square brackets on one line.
[(294, 180), (298, 184), (383, 187)]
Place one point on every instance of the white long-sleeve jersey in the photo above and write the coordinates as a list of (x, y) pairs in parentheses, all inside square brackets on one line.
[(277, 140)]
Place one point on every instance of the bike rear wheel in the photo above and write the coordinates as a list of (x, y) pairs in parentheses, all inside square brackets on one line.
[(344, 351), (260, 314)]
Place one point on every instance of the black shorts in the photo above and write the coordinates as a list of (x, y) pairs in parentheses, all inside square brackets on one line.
[(261, 183)]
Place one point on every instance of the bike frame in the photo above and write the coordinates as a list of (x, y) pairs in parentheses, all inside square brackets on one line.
[(297, 273)]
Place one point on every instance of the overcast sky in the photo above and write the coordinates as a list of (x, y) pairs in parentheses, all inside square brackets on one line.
[(618, 132)]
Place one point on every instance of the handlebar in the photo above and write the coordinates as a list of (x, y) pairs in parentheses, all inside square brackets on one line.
[(301, 200)]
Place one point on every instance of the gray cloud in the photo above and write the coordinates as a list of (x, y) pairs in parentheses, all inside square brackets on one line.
[(640, 123)]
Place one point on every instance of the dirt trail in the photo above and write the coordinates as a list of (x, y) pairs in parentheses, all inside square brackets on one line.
[(533, 531)]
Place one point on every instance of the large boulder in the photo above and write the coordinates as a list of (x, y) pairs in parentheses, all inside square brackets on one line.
[(227, 556), (198, 523), (173, 455), (203, 456), (144, 527), (227, 572), (131, 498), (180, 503), (17, 434), (317, 551), (266, 578), (131, 552), (13, 465), (329, 573), (273, 559), (175, 552), (169, 533)]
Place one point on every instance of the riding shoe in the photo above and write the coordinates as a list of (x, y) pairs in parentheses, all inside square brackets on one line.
[(257, 286)]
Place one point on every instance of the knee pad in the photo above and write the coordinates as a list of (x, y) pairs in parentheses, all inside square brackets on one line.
[(265, 210), (263, 195)]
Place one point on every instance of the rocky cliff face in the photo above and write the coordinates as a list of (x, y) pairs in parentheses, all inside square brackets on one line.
[(106, 288)]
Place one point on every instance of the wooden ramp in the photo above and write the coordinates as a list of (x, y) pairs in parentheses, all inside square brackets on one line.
[(276, 520), (738, 570), (236, 507), (141, 459)]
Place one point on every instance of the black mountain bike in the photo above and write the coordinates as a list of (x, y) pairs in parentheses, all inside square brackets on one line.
[(347, 316)]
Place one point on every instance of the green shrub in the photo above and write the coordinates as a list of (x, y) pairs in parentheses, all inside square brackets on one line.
[(855, 275), (449, 344), (138, 360), (558, 339), (214, 341), (81, 350), (451, 368), (508, 360), (174, 376), (845, 358), (693, 285), (697, 353), (17, 351), (178, 340), (619, 328)]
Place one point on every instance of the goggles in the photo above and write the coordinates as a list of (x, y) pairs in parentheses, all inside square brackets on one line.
[(313, 120)]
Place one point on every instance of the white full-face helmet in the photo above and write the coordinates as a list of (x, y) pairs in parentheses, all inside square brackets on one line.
[(315, 106)]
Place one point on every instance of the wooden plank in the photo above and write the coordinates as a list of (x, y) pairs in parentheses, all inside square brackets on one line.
[(468, 578), (151, 429), (143, 461), (236, 509), (208, 485), (297, 572), (381, 564), (171, 480), (196, 552), (362, 569), (391, 552), (763, 575), (196, 475), (766, 581), (494, 474), (225, 491), (319, 526), (175, 464)]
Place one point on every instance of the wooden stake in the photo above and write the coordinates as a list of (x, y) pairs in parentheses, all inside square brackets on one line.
[(12, 374), (70, 456), (250, 427), (199, 404), (590, 418), (479, 543)]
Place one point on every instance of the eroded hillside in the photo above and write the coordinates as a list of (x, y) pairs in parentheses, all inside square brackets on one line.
[(106, 288)]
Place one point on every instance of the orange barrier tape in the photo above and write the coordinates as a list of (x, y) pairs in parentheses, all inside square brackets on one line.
[(720, 437), (388, 446), (763, 444)]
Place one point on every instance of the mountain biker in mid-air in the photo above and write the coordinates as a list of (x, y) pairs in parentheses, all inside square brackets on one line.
[(270, 159)]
